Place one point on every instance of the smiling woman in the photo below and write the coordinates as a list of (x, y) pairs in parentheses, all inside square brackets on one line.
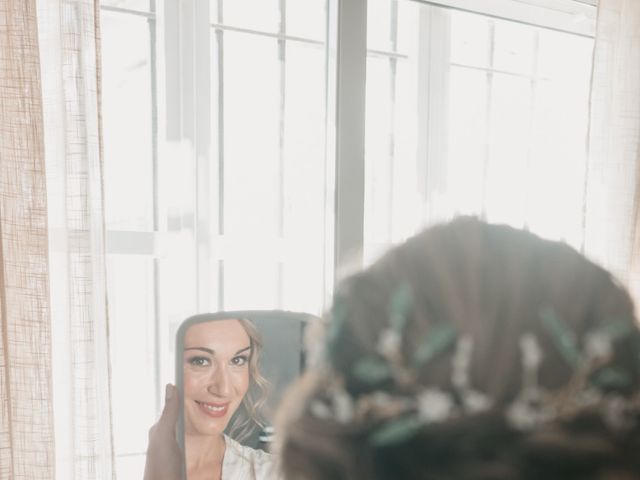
[(223, 391)]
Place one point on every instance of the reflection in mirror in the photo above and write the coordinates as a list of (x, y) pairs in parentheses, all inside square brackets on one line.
[(232, 368)]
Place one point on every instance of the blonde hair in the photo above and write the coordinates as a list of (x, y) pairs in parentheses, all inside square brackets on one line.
[(249, 415)]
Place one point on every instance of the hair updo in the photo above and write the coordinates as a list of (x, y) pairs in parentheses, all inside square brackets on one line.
[(471, 301)]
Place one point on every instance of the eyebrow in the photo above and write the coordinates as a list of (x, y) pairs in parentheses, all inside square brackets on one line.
[(212, 352), (204, 349)]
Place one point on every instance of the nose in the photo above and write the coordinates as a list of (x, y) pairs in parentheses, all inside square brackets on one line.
[(219, 382)]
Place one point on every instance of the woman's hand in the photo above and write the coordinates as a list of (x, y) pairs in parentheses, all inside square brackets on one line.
[(164, 458)]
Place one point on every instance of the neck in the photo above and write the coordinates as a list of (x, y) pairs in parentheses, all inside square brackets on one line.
[(203, 450)]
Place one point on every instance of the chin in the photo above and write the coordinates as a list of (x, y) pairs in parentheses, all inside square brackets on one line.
[(197, 424)]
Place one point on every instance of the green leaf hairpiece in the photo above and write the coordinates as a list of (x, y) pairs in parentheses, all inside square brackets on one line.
[(617, 328), (611, 378), (396, 431), (563, 338), (437, 339), (399, 307), (336, 325), (372, 370)]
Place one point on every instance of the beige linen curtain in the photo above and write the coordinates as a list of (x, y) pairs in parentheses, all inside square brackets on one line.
[(26, 420), (612, 210), (54, 351)]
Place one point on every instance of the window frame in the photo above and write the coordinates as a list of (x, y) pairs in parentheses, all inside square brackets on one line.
[(183, 115)]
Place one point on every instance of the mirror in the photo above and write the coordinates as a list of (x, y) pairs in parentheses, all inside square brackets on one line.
[(231, 371)]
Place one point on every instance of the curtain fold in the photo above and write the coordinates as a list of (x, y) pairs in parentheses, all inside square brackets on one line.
[(55, 399), (612, 193), (26, 421)]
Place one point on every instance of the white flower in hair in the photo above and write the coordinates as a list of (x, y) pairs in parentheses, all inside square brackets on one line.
[(525, 415), (434, 405), (531, 352), (473, 400), (389, 343), (476, 402), (598, 346), (529, 409), (616, 412), (321, 410), (462, 362), (343, 405)]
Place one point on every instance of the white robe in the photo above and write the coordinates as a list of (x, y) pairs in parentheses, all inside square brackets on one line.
[(245, 463)]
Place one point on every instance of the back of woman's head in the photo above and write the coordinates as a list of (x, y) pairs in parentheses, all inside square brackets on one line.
[(472, 351)]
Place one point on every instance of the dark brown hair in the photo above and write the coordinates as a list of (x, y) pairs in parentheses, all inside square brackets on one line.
[(489, 283)]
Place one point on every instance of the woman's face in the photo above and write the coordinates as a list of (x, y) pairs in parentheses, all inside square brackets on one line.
[(216, 374)]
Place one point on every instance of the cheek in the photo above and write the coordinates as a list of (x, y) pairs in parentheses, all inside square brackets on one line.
[(241, 382), (193, 381)]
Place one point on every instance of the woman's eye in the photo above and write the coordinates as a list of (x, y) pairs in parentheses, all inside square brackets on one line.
[(239, 361), (199, 362)]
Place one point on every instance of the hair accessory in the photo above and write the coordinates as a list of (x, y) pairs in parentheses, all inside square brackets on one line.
[(529, 408), (390, 340), (434, 405), (563, 337), (430, 405), (461, 363), (389, 343), (401, 414), (398, 431), (437, 339), (372, 370), (399, 307), (598, 346), (472, 400)]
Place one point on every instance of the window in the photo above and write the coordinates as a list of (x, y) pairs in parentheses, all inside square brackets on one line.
[(130, 107), (220, 169), (215, 182), (472, 113)]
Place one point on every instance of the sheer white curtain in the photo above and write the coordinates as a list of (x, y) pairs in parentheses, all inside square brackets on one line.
[(611, 211), (55, 413)]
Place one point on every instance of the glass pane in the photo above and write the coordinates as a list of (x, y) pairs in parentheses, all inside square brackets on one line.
[(406, 208), (491, 122), (304, 173), (307, 18), (559, 129), (304, 164), (467, 140), (132, 332), (509, 145), (564, 57), (251, 282), (558, 153), (139, 5), (392, 199), (127, 121), (130, 467), (251, 135), (302, 289), (261, 15), (408, 16), (379, 24), (513, 47), (470, 37), (378, 170)]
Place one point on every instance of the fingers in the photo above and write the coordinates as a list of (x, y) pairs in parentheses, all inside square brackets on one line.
[(169, 415), (164, 459)]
